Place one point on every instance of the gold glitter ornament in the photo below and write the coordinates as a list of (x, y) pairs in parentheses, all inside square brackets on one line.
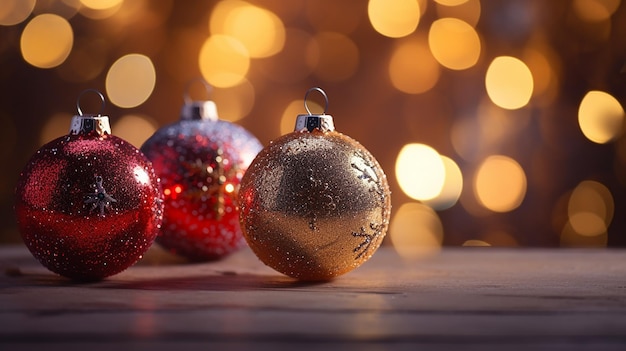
[(314, 204)]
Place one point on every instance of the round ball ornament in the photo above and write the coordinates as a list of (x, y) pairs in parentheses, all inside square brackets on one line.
[(88, 204), (315, 203), (200, 161)]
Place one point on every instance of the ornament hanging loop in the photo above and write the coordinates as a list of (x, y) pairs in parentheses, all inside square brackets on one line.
[(207, 88), (86, 124), (311, 122), (321, 91), (80, 111), (198, 110)]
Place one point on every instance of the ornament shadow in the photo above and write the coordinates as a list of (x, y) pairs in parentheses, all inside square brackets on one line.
[(222, 281)]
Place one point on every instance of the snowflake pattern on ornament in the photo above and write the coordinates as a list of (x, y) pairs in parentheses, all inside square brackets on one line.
[(100, 198)]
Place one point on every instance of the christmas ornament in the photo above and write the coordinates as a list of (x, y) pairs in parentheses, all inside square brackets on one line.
[(88, 204), (201, 160), (315, 203)]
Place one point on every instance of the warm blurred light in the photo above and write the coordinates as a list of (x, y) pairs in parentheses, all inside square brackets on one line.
[(451, 2), (500, 184), (100, 9), (587, 224), (333, 16), (229, 188), (454, 43), (260, 31), (295, 108), (595, 10), (468, 11), (338, 59), (412, 68), (135, 129), (590, 208), (64, 8), (86, 61), (420, 171), (101, 4), (541, 70), (570, 238), (47, 41), (234, 103), (509, 82), (476, 135), (416, 231), (130, 80), (601, 117), (56, 126), (222, 12), (224, 61), (296, 61), (476, 243), (394, 18), (15, 11), (499, 238), (452, 186)]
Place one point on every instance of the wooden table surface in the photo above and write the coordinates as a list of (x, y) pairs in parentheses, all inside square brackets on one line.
[(462, 298)]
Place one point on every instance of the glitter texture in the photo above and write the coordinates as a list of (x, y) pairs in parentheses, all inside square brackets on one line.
[(201, 163), (81, 208), (314, 205)]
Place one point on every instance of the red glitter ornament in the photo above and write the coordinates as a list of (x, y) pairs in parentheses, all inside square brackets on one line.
[(88, 204), (200, 161)]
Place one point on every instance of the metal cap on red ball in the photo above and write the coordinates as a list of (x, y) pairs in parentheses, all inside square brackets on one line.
[(200, 160), (88, 204)]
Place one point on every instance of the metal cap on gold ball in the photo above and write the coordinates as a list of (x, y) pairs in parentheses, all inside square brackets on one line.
[(314, 204)]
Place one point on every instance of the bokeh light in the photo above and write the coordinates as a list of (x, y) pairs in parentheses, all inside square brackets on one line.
[(330, 16), (452, 186), (86, 61), (394, 18), (542, 71), (412, 68), (476, 243), (416, 231), (15, 11), (47, 41), (500, 183), (56, 126), (296, 61), (100, 9), (260, 31), (101, 4), (468, 11), (420, 171), (135, 129), (338, 59), (590, 208), (509, 82), (571, 238), (540, 82), (224, 61), (130, 80), (451, 2), (454, 43), (595, 10), (234, 103), (600, 117)]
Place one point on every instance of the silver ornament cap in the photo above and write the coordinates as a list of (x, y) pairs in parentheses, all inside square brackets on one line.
[(310, 121), (88, 123), (198, 110)]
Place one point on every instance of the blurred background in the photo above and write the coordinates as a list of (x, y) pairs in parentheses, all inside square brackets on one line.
[(498, 123)]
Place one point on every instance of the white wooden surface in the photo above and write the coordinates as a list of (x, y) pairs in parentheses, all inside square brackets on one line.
[(463, 298)]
